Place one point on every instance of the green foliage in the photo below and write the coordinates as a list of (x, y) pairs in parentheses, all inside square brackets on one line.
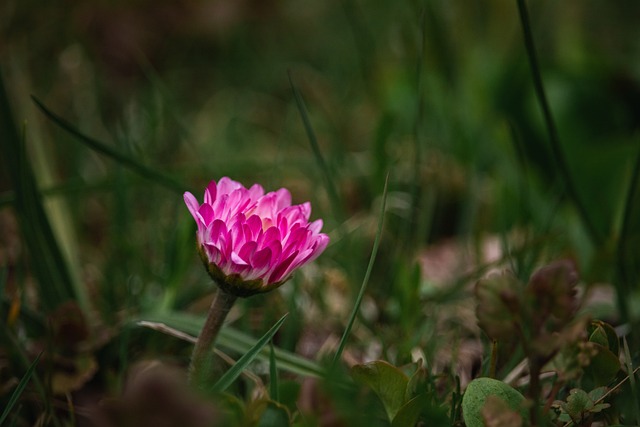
[(406, 400), (387, 381), (19, 389), (480, 393), (504, 136), (580, 406), (230, 376)]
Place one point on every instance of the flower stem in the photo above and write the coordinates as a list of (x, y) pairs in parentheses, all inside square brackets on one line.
[(200, 362)]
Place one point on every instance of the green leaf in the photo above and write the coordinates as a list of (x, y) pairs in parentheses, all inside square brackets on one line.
[(365, 281), (230, 376), (409, 413), (477, 393), (19, 389), (603, 333), (233, 339), (604, 365), (49, 265), (274, 415), (578, 404), (417, 382), (387, 381)]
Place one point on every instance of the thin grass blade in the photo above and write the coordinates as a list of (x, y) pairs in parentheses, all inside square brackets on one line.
[(622, 281), (230, 376), (19, 389), (560, 158), (273, 374), (102, 148), (365, 281), (326, 173), (233, 339), (632, 380)]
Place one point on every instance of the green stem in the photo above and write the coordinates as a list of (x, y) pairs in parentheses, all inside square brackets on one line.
[(559, 155), (218, 311)]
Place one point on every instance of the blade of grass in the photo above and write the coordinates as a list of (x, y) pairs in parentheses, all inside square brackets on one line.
[(102, 148), (273, 374), (554, 140), (19, 389), (48, 262), (324, 168), (365, 281), (230, 376), (233, 339), (621, 282), (632, 380)]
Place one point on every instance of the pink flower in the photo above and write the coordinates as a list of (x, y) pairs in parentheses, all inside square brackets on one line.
[(252, 242)]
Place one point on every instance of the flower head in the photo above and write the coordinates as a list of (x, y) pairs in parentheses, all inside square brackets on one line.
[(252, 242)]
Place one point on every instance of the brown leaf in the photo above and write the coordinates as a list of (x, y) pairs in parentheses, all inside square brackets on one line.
[(553, 294), (499, 304)]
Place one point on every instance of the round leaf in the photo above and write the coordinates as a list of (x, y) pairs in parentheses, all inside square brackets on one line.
[(477, 393)]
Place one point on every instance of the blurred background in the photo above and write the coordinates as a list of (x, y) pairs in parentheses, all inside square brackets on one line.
[(165, 96)]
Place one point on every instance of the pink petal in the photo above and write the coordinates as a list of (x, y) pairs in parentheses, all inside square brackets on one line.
[(270, 235), (283, 226), (280, 270), (321, 243), (276, 252), (205, 213), (255, 192), (296, 240), (213, 253), (315, 226), (283, 198), (216, 231), (226, 185), (247, 251), (261, 258), (235, 258), (192, 204), (255, 223), (210, 193)]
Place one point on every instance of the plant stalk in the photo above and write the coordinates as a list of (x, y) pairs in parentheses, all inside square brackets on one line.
[(200, 362)]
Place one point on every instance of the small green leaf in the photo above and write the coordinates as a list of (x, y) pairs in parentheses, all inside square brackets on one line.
[(604, 334), (604, 365), (274, 415), (387, 381), (578, 404), (476, 396), (230, 376), (409, 413), (597, 393), (417, 382)]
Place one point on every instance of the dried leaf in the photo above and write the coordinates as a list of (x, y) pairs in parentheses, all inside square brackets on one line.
[(499, 304), (551, 290)]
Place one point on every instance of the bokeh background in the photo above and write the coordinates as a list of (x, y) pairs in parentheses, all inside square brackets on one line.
[(436, 94)]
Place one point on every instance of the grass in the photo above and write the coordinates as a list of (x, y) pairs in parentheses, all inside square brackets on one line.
[(504, 136)]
